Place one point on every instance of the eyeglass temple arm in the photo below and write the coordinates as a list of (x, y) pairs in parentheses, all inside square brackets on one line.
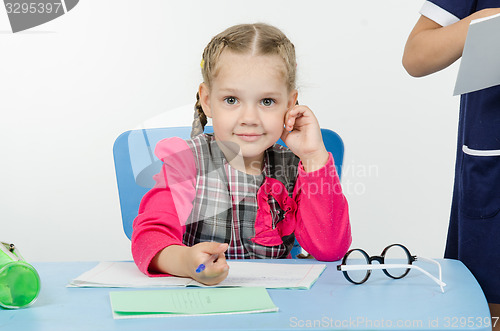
[(393, 266), (431, 261)]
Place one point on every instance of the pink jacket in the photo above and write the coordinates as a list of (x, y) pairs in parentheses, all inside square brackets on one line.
[(320, 221)]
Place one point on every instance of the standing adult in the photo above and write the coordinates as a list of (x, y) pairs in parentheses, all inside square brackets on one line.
[(436, 41)]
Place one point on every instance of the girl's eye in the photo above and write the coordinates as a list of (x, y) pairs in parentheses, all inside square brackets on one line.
[(230, 100), (267, 102)]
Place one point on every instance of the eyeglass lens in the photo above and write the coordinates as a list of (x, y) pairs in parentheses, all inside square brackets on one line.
[(357, 257), (396, 254)]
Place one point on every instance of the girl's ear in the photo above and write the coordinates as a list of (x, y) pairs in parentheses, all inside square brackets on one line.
[(292, 99), (204, 93)]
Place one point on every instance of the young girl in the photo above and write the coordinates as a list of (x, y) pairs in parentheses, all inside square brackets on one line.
[(235, 193), (473, 237)]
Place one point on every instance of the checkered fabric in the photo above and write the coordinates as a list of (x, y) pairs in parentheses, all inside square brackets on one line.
[(225, 206)]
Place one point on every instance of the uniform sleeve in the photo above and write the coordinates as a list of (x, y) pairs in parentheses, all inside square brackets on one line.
[(165, 208), (446, 12), (322, 216)]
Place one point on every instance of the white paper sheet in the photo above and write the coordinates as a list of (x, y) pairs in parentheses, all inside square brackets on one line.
[(241, 273), (480, 64)]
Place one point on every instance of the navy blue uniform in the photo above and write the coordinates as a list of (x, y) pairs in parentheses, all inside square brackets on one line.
[(474, 230)]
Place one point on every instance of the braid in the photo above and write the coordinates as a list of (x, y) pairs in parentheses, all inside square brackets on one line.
[(210, 56), (200, 119)]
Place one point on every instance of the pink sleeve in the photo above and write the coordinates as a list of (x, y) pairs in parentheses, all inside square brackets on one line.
[(322, 227), (165, 208)]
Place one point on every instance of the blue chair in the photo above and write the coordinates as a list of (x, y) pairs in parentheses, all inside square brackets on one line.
[(135, 165)]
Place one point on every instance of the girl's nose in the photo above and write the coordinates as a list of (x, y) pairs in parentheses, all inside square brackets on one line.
[(249, 115)]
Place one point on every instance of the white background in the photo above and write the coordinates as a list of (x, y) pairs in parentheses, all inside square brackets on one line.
[(68, 88)]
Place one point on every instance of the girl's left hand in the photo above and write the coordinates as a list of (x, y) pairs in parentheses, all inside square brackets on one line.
[(302, 135)]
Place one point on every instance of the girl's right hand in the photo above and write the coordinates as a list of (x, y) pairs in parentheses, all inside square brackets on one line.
[(216, 271)]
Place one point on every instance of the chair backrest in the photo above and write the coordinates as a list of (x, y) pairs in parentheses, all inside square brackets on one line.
[(135, 163)]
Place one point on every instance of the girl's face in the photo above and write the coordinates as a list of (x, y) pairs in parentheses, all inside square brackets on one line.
[(247, 102)]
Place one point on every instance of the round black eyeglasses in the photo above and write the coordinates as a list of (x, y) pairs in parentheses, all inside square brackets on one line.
[(357, 265)]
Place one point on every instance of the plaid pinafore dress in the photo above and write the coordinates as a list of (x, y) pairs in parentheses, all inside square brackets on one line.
[(230, 204)]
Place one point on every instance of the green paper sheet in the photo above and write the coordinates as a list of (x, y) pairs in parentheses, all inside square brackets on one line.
[(192, 301)]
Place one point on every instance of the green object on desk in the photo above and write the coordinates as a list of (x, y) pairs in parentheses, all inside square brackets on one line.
[(192, 301), (19, 281)]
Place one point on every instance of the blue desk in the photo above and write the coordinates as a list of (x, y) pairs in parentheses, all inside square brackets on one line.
[(414, 302)]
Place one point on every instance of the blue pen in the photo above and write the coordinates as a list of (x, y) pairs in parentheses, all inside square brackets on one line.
[(202, 266)]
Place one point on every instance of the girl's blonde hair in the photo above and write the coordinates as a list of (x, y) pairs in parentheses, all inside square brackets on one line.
[(259, 39)]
